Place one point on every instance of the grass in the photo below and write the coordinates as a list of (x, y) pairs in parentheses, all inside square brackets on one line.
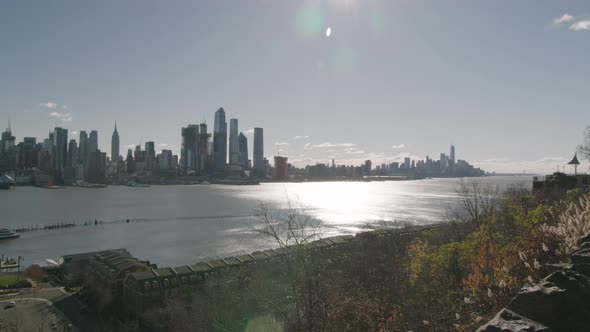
[(8, 280)]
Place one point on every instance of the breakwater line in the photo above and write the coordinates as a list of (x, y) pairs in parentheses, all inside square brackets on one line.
[(94, 223)]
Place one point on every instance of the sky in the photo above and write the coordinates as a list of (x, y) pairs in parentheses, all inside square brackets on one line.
[(506, 81)]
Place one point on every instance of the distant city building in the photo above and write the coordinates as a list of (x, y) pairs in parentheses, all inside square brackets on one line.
[(150, 155), (72, 153), (97, 166), (243, 147), (204, 148), (189, 151), (93, 142), (259, 165), (130, 163), (165, 159), (452, 155), (60, 152), (280, 171), (220, 141), (83, 148), (234, 147), (368, 167), (115, 146)]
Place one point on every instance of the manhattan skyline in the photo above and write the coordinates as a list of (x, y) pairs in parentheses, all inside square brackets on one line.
[(348, 80)]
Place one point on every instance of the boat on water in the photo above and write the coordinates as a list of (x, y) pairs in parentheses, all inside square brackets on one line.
[(7, 234)]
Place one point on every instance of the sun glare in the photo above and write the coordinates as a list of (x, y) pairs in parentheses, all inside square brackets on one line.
[(328, 31)]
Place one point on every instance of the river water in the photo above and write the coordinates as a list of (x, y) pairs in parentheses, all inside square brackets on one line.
[(176, 225)]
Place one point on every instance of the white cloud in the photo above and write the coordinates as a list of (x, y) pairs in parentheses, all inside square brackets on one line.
[(163, 145), (300, 137), (332, 145), (65, 107), (581, 25), (399, 146), (64, 117), (130, 146), (248, 131), (281, 143), (74, 132), (563, 19), (50, 105), (355, 151)]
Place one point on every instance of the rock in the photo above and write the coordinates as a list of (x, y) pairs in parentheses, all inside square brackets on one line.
[(509, 321), (581, 268), (542, 303), (585, 238), (584, 245), (557, 266), (581, 256)]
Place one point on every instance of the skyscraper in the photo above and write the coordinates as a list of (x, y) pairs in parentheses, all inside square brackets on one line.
[(189, 151), (259, 168), (93, 142), (150, 155), (452, 155), (83, 148), (60, 150), (72, 153), (243, 147), (234, 147), (220, 141), (203, 152), (115, 145)]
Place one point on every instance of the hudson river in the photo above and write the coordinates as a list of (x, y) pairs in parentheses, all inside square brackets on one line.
[(176, 225)]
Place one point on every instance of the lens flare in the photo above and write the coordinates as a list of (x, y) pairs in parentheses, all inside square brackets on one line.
[(328, 31), (309, 21)]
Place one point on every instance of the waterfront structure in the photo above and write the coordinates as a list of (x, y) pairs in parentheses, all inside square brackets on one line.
[(93, 142), (575, 162), (189, 151), (115, 146), (234, 147), (280, 171), (243, 147), (60, 149), (453, 155), (220, 141), (258, 157), (97, 166)]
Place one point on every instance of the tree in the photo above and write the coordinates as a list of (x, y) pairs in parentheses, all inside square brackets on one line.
[(584, 148), (291, 229)]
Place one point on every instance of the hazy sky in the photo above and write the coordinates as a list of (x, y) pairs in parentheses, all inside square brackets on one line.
[(506, 81)]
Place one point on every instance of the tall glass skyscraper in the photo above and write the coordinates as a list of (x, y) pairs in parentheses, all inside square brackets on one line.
[(243, 144), (93, 142), (83, 152), (220, 141), (60, 152), (189, 152), (234, 147), (259, 168)]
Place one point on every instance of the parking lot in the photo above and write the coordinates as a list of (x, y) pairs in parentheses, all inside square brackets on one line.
[(32, 314)]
